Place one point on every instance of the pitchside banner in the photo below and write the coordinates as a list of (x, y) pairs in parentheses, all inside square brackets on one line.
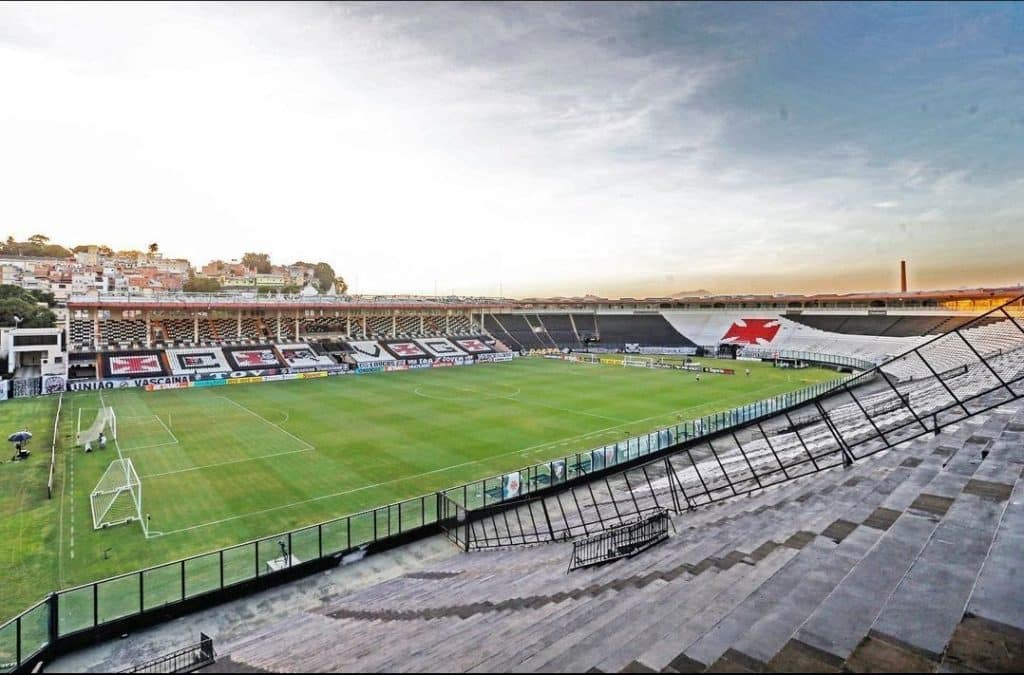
[(495, 357), (681, 351), (206, 379), (558, 471), (92, 385), (511, 485)]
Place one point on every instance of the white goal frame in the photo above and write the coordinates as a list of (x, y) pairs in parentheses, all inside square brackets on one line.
[(637, 361), (117, 497), (105, 417)]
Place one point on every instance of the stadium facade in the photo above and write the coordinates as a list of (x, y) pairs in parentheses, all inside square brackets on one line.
[(928, 428)]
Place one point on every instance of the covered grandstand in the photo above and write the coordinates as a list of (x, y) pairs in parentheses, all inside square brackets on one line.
[(805, 537)]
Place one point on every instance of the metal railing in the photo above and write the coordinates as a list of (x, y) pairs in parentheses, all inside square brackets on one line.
[(620, 541), (538, 477), (186, 660), (721, 457), (810, 357), (939, 383), (53, 447)]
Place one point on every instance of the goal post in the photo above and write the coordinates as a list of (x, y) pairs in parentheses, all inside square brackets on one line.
[(104, 417), (637, 362), (117, 497)]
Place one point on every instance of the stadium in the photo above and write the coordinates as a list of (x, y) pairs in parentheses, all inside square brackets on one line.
[(605, 337), (205, 449)]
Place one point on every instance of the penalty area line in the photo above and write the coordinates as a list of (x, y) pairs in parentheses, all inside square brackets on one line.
[(265, 420), (520, 451), (230, 461)]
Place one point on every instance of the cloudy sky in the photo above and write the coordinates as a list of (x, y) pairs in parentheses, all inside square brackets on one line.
[(619, 149)]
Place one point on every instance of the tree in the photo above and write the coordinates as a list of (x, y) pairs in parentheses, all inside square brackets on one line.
[(16, 301), (153, 248), (287, 289), (39, 240), (105, 250), (340, 286), (201, 285), (258, 261)]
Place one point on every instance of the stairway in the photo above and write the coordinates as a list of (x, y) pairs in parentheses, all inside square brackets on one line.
[(907, 560)]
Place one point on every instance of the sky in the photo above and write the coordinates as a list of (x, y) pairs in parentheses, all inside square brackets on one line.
[(528, 149)]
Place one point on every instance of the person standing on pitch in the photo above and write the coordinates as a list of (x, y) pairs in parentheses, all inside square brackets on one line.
[(103, 441)]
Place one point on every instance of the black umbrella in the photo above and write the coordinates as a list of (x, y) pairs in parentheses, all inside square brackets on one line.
[(19, 436)]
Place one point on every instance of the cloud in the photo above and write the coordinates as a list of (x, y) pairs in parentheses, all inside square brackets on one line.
[(539, 148)]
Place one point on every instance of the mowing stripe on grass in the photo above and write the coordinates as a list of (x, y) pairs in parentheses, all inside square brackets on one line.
[(232, 461)]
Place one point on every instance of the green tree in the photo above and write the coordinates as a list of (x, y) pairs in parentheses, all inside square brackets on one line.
[(39, 240), (340, 286), (258, 261), (15, 301), (287, 289), (201, 285), (153, 248)]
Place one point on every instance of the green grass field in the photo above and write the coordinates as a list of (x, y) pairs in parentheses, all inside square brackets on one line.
[(228, 464)]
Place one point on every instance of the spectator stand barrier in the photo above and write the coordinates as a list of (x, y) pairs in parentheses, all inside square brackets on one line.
[(717, 457)]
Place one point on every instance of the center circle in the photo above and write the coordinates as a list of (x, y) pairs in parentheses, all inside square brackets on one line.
[(442, 392)]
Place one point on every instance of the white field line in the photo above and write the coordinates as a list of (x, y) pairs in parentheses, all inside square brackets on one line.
[(308, 446), (230, 461), (520, 451), (490, 396), (151, 446), (173, 441)]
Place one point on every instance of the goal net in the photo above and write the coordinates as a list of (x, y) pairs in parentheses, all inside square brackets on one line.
[(105, 417), (117, 498), (637, 362)]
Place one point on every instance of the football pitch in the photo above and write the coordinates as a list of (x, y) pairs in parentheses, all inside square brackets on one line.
[(224, 465)]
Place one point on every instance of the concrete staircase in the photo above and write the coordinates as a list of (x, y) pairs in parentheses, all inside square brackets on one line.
[(908, 560)]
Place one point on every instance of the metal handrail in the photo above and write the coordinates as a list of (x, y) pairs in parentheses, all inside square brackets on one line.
[(620, 541), (39, 631), (186, 660)]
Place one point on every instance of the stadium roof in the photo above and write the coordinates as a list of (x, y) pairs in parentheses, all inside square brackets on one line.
[(866, 296)]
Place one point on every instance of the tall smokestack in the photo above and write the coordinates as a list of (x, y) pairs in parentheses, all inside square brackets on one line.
[(903, 276)]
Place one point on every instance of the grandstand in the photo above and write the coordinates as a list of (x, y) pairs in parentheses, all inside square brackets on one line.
[(874, 527), (864, 523)]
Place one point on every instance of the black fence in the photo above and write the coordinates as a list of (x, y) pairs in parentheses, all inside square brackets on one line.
[(729, 455), (970, 370), (187, 660), (621, 541)]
